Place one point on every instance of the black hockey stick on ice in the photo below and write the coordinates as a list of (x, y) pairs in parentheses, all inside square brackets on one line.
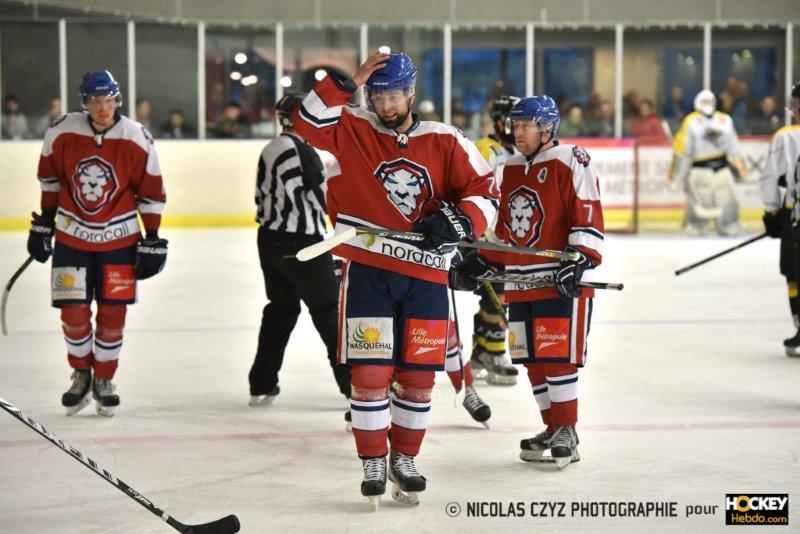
[(546, 282), (226, 525), (7, 292), (718, 254), (317, 249)]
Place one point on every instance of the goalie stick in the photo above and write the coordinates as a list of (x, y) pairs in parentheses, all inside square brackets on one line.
[(317, 249), (226, 525), (545, 282), (7, 292)]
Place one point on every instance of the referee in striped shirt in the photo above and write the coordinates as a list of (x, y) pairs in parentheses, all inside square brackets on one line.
[(291, 214)]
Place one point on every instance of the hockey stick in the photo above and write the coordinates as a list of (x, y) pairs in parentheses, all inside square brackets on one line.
[(7, 292), (226, 525), (487, 288), (546, 282), (717, 255), (317, 249), (463, 391)]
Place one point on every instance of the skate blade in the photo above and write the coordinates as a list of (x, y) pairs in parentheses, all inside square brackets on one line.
[(486, 425), (479, 374), (410, 498), (84, 402), (500, 380), (375, 502), (257, 401), (105, 411), (792, 353), (536, 457)]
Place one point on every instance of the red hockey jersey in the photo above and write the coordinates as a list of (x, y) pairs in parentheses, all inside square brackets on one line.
[(550, 202), (392, 180), (98, 182)]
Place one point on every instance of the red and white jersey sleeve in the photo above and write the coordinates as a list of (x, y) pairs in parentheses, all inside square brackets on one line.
[(100, 183), (550, 202), (391, 180)]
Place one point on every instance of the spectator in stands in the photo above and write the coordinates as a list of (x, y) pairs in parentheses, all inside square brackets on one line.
[(592, 109), (647, 124), (232, 125), (14, 123), (729, 95), (767, 120), (675, 107), (573, 126), (143, 113), (48, 119), (603, 124), (630, 105), (742, 106), (176, 127)]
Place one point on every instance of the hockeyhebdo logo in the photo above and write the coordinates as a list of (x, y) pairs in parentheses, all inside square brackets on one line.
[(93, 184), (757, 509), (527, 216), (408, 185)]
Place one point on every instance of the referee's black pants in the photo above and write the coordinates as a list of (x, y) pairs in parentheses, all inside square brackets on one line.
[(287, 282)]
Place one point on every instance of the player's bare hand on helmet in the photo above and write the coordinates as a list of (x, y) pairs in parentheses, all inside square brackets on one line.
[(374, 62)]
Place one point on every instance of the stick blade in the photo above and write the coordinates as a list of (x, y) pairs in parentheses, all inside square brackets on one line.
[(226, 525), (318, 249), (3, 312)]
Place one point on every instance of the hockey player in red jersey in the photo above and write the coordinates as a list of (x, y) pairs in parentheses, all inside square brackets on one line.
[(406, 175), (97, 170), (550, 199), (454, 361)]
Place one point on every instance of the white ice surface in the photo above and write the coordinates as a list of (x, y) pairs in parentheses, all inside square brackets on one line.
[(687, 396)]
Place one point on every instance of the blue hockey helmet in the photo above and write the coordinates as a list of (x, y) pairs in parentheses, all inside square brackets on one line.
[(541, 110), (100, 83), (397, 74)]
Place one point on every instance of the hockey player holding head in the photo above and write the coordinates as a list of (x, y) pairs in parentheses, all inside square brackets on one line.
[(782, 210), (550, 199), (489, 335), (98, 171), (706, 160), (404, 174)]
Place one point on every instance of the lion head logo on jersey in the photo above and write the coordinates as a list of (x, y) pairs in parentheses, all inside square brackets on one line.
[(94, 184), (527, 216), (407, 184)]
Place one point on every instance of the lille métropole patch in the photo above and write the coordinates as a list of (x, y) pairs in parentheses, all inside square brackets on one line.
[(425, 341), (551, 337)]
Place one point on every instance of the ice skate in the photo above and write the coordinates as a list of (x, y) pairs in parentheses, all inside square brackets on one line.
[(477, 409), (564, 446), (496, 368), (264, 400), (78, 396), (792, 345), (533, 449), (348, 418), (106, 401), (407, 482), (374, 483)]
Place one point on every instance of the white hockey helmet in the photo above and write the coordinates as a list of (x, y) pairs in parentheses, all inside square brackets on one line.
[(705, 102)]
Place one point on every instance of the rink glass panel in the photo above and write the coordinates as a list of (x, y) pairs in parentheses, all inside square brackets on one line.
[(307, 50), (29, 71), (96, 46), (486, 63), (754, 60), (166, 72), (657, 63), (576, 68), (250, 84), (425, 47)]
